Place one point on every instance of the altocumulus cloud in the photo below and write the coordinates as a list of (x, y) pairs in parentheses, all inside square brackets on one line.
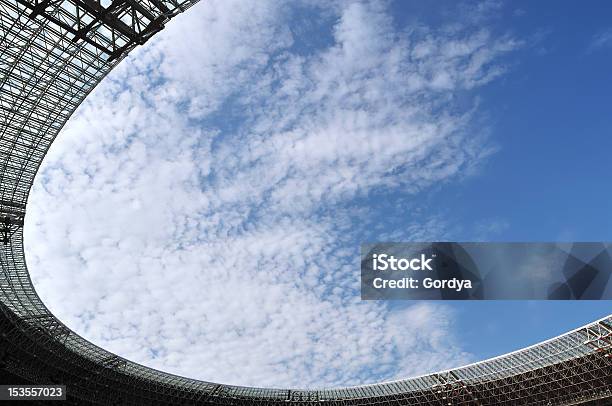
[(195, 214)]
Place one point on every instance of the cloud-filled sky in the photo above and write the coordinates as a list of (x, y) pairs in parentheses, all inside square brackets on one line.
[(202, 211)]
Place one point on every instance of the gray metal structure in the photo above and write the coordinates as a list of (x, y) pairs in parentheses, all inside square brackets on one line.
[(52, 54)]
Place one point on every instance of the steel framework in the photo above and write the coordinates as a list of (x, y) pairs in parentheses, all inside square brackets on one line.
[(52, 54)]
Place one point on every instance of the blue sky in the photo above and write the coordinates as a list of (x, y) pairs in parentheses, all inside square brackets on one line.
[(213, 191), (550, 116)]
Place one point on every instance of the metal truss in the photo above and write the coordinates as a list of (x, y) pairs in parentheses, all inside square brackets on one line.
[(52, 54)]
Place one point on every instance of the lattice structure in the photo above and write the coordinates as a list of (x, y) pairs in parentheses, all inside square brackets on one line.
[(52, 53)]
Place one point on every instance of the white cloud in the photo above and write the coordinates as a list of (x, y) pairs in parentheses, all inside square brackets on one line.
[(601, 40), (195, 214)]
